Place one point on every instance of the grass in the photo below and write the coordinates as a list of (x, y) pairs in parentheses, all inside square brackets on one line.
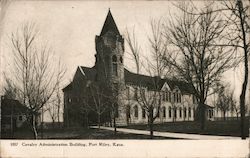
[(78, 133), (221, 128)]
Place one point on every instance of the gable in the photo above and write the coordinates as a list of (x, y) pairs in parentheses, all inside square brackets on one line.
[(165, 87)]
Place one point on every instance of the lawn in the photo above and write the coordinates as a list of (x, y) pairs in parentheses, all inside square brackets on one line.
[(78, 133), (221, 128)]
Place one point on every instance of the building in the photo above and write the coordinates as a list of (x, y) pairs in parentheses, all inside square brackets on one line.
[(178, 103), (12, 116)]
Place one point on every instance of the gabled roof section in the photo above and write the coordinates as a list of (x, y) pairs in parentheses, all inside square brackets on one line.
[(89, 72), (109, 25), (68, 87), (153, 83), (9, 106)]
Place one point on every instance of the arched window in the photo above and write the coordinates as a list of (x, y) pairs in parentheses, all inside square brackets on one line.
[(169, 112), (189, 112), (128, 111), (121, 60), (193, 112), (185, 112), (180, 112), (175, 113), (136, 111), (163, 112), (114, 65), (114, 58), (143, 113)]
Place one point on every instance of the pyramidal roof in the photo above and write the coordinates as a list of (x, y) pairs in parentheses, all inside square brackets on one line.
[(109, 25)]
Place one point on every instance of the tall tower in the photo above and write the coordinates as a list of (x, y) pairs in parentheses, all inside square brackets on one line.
[(109, 53)]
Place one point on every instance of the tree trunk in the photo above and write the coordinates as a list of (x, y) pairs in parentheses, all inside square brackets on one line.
[(99, 120), (224, 115), (244, 85), (202, 115), (34, 126), (151, 123), (115, 131), (58, 114), (242, 115), (151, 126)]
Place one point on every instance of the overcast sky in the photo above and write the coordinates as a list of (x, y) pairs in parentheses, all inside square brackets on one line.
[(70, 28)]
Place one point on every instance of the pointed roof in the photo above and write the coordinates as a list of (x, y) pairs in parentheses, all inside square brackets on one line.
[(109, 24)]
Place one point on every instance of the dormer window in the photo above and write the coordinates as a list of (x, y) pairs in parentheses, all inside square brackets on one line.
[(114, 65)]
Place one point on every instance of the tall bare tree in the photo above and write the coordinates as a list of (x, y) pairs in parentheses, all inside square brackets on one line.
[(194, 56), (149, 98), (237, 21), (33, 74), (98, 101), (223, 101), (239, 38)]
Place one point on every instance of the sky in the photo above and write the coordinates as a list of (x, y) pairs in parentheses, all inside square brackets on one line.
[(70, 28)]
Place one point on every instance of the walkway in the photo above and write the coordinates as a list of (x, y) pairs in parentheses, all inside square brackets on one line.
[(169, 134)]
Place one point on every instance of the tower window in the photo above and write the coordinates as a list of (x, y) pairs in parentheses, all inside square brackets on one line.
[(114, 61), (121, 60), (114, 58)]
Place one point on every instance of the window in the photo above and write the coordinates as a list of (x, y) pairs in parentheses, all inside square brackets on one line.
[(180, 112), (143, 92), (169, 96), (185, 112), (136, 93), (193, 111), (136, 111), (143, 113), (20, 118), (169, 112), (174, 97), (128, 111), (114, 59), (114, 63), (210, 113), (163, 96), (158, 112), (175, 112), (194, 99), (127, 89), (69, 100), (163, 112), (121, 60), (189, 112)]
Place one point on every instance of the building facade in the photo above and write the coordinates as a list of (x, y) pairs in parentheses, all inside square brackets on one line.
[(177, 101)]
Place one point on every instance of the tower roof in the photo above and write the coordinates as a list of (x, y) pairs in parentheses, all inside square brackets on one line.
[(109, 25)]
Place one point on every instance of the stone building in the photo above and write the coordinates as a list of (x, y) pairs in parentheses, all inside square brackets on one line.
[(178, 103)]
